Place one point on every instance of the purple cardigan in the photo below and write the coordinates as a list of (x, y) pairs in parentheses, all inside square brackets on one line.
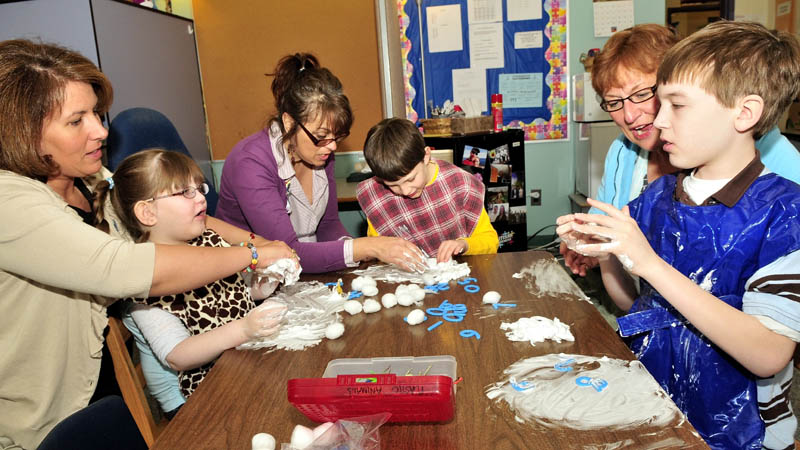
[(252, 196)]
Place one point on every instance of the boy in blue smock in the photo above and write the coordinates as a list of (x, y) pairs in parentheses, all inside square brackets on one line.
[(717, 316)]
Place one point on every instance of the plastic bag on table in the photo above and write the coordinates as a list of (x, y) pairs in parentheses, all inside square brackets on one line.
[(355, 433)]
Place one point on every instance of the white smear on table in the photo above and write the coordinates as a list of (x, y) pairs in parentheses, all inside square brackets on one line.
[(546, 277), (435, 273), (552, 398), (537, 329), (311, 307)]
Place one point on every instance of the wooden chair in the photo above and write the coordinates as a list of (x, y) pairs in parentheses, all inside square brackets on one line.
[(131, 381)]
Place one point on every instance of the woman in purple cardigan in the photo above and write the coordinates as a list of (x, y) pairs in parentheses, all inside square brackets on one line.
[(279, 184)]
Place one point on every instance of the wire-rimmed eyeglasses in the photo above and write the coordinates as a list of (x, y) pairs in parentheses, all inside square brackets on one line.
[(639, 96), (321, 142), (189, 192)]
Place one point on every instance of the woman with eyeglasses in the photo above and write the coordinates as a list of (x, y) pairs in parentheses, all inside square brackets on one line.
[(279, 182), (58, 273), (624, 76)]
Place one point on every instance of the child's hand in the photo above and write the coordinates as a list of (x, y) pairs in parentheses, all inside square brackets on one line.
[(264, 320), (617, 234), (576, 262), (400, 252), (271, 251), (451, 248)]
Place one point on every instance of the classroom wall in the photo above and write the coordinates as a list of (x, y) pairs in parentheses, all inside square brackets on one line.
[(239, 42), (550, 166)]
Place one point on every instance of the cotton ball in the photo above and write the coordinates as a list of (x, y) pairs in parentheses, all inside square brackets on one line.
[(319, 434), (263, 441), (405, 299), (428, 279), (368, 281), (389, 300), (370, 291), (334, 330), (357, 284), (353, 307), (491, 297), (417, 294), (416, 317), (302, 437), (401, 289), (371, 306)]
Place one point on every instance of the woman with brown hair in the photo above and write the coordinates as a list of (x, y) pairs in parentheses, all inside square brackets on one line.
[(279, 182), (57, 272)]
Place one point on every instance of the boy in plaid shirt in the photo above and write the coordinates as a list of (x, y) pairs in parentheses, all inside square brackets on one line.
[(432, 203)]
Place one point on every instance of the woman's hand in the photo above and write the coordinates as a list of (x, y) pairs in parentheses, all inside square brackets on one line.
[(450, 248), (617, 234), (400, 252), (577, 263), (271, 251), (263, 320)]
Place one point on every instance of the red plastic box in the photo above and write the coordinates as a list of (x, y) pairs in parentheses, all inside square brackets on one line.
[(409, 398)]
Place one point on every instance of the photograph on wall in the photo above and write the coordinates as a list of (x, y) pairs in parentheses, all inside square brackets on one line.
[(498, 212), (474, 157), (517, 214), (496, 195), (500, 155), (500, 173), (517, 192)]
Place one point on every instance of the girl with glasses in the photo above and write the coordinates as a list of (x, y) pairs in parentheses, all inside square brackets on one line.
[(159, 197), (279, 182)]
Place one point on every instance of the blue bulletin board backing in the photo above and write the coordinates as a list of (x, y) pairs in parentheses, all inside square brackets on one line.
[(546, 64)]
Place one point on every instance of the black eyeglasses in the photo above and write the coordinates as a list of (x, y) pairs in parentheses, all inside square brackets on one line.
[(640, 96), (189, 192), (321, 142)]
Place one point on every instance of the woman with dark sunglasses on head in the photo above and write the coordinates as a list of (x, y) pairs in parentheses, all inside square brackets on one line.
[(279, 182), (624, 76)]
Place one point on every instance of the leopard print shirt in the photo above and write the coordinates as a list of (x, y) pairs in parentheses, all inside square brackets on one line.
[(205, 308)]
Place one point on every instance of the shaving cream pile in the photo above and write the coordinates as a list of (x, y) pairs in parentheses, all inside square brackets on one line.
[(537, 329), (546, 277), (311, 308), (435, 273), (585, 393)]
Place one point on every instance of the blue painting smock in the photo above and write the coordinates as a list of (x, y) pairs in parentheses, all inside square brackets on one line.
[(719, 246)]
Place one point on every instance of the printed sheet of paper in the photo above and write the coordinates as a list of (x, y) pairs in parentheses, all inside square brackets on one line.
[(444, 28), (484, 11), (521, 90), (528, 39), (610, 17), (486, 45), (524, 9), (469, 90)]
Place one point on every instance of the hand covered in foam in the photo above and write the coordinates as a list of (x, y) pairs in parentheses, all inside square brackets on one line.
[(617, 234), (271, 251), (577, 263), (264, 320), (400, 252)]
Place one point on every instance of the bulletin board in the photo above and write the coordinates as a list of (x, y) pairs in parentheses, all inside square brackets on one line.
[(529, 68)]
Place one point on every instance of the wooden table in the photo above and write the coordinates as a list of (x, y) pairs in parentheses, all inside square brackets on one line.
[(245, 392)]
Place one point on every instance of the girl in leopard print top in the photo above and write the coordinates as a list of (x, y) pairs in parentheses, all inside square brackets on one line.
[(159, 196)]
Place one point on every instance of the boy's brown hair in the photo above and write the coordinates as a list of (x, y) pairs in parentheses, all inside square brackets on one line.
[(639, 48), (393, 148), (730, 60)]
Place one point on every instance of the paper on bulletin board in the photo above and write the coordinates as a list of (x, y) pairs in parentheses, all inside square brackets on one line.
[(484, 11), (444, 28), (486, 45), (524, 9), (469, 90), (528, 39), (521, 90), (610, 17)]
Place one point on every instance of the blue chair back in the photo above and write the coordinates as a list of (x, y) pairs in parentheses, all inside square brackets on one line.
[(138, 129)]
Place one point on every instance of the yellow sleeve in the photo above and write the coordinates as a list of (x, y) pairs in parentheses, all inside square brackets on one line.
[(371, 231), (483, 239)]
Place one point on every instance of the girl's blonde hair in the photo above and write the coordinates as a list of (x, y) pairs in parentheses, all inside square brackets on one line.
[(143, 176)]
